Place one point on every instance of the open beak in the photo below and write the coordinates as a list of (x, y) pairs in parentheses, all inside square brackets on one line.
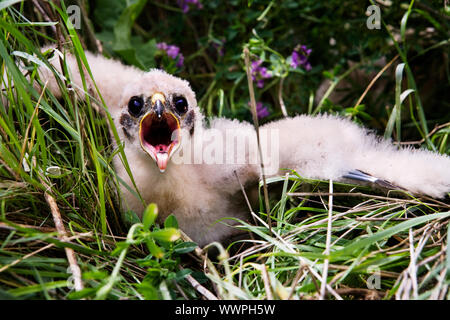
[(159, 132)]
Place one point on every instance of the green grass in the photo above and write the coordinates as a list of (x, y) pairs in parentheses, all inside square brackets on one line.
[(400, 243)]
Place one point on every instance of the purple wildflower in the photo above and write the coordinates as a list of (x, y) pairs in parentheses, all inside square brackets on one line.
[(261, 110), (260, 83), (184, 4), (300, 56), (172, 52), (295, 59), (161, 46), (180, 61), (259, 73)]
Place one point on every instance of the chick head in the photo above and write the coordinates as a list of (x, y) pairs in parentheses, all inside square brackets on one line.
[(158, 110)]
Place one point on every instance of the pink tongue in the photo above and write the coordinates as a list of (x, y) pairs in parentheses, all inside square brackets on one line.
[(161, 160), (161, 148)]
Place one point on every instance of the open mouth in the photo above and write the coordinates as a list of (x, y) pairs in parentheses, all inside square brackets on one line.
[(160, 137)]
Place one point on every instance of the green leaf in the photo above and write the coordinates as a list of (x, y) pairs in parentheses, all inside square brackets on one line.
[(185, 247), (380, 235), (395, 117), (180, 275), (145, 54), (427, 16), (122, 29), (168, 234), (405, 94), (4, 295), (86, 292), (149, 216), (95, 275), (6, 3), (106, 15), (148, 291), (120, 246), (328, 74), (156, 251), (30, 58), (122, 32), (171, 222), (130, 217), (38, 288), (404, 21)]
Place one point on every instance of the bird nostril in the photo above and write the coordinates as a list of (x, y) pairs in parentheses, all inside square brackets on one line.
[(159, 109)]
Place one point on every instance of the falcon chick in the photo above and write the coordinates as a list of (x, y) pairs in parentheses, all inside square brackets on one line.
[(158, 120)]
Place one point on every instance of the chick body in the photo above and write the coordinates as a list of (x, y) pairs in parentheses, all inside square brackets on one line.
[(199, 193)]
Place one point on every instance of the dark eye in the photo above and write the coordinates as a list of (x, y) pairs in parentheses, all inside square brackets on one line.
[(135, 106), (181, 104)]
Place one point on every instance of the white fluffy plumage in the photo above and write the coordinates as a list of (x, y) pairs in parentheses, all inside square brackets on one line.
[(199, 194)]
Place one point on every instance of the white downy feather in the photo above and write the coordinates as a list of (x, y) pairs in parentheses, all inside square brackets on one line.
[(323, 147)]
